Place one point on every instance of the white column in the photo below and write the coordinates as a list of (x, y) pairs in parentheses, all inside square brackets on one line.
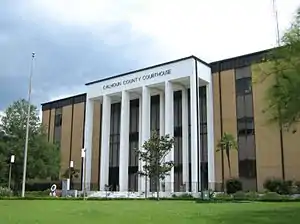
[(195, 137), (105, 134), (88, 135), (140, 179), (210, 137), (124, 142), (185, 139), (169, 129), (161, 123), (146, 103)]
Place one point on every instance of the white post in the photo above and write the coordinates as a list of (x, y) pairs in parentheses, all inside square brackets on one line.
[(169, 128), (124, 142), (185, 140), (105, 134), (210, 137), (88, 135), (146, 103), (195, 148)]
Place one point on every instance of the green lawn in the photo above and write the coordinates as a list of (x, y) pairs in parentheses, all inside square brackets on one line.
[(183, 212)]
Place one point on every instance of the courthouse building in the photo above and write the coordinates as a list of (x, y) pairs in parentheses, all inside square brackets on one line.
[(189, 99)]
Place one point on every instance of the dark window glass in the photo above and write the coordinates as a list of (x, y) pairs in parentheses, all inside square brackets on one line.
[(248, 105), (245, 128), (133, 145), (154, 113), (178, 140), (154, 125), (58, 117), (203, 136), (243, 72), (57, 125), (114, 146), (243, 86)]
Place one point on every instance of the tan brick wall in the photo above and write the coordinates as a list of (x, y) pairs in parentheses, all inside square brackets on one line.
[(268, 153)]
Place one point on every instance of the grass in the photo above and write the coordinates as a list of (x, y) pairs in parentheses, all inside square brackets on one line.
[(133, 212)]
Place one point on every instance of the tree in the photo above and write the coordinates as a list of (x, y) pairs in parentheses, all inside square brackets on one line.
[(154, 154), (227, 143), (283, 65), (43, 159)]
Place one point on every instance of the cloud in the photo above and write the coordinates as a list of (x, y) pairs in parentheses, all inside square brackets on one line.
[(78, 41), (67, 56)]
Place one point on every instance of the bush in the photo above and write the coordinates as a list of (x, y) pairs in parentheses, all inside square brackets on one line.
[(272, 196), (222, 196), (233, 185), (252, 196), (240, 195), (184, 196), (297, 186), (279, 186), (5, 192), (42, 185), (37, 193), (272, 185)]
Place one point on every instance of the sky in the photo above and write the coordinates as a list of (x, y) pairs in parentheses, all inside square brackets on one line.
[(78, 41)]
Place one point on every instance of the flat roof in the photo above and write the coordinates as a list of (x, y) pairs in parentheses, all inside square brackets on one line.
[(146, 68)]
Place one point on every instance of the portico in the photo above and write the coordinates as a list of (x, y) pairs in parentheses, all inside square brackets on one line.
[(165, 97)]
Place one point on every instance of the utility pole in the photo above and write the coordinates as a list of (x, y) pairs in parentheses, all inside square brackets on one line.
[(27, 126)]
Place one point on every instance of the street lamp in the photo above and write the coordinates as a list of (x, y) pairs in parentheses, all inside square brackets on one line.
[(27, 126), (12, 160)]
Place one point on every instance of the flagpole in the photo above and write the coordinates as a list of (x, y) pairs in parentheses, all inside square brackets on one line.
[(27, 126), (277, 23)]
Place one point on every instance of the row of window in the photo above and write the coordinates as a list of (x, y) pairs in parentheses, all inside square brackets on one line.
[(245, 128)]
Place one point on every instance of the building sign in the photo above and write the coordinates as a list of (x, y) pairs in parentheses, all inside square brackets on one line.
[(137, 79)]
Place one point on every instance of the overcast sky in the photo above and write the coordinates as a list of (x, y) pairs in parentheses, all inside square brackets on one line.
[(77, 41)]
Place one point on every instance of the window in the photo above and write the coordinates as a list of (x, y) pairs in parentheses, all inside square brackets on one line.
[(57, 125), (154, 113), (58, 117), (245, 128), (133, 144), (114, 145), (154, 125), (243, 86)]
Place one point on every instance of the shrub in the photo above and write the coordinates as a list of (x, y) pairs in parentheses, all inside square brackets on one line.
[(233, 185), (5, 192), (286, 187), (279, 186), (297, 185), (184, 196), (272, 185), (240, 195), (252, 196), (222, 196), (273, 196), (44, 193)]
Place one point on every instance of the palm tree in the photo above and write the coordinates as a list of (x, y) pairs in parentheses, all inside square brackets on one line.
[(227, 143)]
